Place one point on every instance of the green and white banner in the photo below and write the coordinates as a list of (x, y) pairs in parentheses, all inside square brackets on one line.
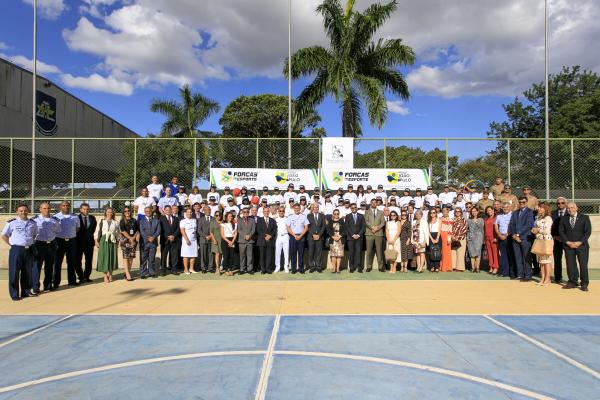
[(389, 178), (258, 178)]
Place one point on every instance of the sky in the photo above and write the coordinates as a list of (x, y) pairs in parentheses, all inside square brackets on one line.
[(472, 56)]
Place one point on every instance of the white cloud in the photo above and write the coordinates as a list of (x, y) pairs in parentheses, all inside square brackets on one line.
[(98, 83), (464, 47), (144, 47), (3, 46), (49, 9), (396, 107), (27, 63)]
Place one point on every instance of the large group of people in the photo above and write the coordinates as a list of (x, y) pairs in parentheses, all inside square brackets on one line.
[(241, 231)]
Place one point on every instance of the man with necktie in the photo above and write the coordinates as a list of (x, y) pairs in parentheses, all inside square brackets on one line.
[(205, 240), (558, 249), (297, 224), (266, 235), (375, 223), (170, 238), (246, 230), (45, 245), (67, 247), (355, 231), (316, 230), (575, 230), (85, 240), (149, 232), (521, 223), (19, 233)]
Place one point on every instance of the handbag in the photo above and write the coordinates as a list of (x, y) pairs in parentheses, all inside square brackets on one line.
[(435, 252), (455, 244), (390, 254), (542, 247)]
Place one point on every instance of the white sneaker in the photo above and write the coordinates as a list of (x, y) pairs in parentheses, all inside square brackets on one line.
[(276, 271), (188, 273)]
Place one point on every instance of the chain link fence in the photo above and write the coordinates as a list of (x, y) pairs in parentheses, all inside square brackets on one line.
[(112, 171)]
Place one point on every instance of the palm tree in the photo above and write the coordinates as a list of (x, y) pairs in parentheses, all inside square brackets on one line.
[(354, 68), (184, 118)]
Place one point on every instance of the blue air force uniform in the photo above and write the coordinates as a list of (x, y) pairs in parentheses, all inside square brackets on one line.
[(66, 247), (45, 244), (21, 236)]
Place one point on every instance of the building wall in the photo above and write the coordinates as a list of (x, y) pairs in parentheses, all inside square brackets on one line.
[(74, 117)]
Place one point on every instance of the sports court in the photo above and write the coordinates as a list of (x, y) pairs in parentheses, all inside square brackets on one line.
[(92, 346)]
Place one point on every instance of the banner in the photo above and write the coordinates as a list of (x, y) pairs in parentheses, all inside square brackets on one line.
[(338, 152), (258, 178), (389, 178)]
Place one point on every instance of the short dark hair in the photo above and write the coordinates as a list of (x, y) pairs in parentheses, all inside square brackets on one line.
[(522, 198), (22, 205)]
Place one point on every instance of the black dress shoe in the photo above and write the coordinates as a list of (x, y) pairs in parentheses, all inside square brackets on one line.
[(16, 298), (88, 280), (570, 285), (351, 271), (174, 273), (302, 272), (584, 289), (143, 277), (293, 272), (525, 280), (154, 276), (251, 272), (74, 284), (360, 271)]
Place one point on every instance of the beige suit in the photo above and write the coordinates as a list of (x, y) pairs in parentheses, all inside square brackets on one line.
[(374, 238)]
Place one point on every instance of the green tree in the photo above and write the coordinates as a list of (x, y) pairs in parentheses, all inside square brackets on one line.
[(354, 68), (184, 118), (410, 157), (262, 120), (574, 109)]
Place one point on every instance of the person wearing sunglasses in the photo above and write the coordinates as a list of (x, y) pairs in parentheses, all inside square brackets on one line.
[(130, 236), (520, 229), (560, 212)]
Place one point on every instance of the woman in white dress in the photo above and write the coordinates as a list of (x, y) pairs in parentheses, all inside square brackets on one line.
[(542, 229), (392, 234), (189, 245)]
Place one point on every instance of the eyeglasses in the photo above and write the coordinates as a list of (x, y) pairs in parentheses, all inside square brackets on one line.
[(561, 202), (126, 211), (522, 202)]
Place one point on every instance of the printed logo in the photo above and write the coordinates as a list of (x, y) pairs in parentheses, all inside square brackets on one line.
[(392, 177), (338, 177), (226, 176), (281, 177), (45, 114)]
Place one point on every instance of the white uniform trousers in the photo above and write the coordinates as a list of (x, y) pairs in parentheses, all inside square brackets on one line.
[(282, 243)]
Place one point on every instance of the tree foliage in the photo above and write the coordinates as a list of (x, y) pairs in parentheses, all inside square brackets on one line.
[(574, 109), (355, 70), (254, 118)]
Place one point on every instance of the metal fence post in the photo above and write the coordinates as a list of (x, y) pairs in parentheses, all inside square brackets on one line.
[(320, 166), (195, 162), (72, 172), (134, 166), (572, 172), (384, 154), (508, 159), (447, 167), (10, 177), (257, 162)]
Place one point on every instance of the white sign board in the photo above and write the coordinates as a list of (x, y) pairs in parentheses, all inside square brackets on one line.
[(258, 178)]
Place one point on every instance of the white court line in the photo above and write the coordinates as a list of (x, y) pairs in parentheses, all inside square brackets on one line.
[(261, 389), (41, 328), (309, 315), (74, 374), (549, 349), (442, 371)]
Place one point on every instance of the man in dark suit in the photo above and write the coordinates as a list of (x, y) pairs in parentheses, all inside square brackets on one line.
[(149, 232), (355, 231), (85, 241), (561, 211), (204, 240), (170, 241), (520, 226), (575, 230), (316, 230), (266, 229)]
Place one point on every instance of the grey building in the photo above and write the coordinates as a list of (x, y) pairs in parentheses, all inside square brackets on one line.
[(61, 119)]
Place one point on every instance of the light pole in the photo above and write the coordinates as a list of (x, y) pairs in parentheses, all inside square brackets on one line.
[(33, 105), (289, 84), (546, 122)]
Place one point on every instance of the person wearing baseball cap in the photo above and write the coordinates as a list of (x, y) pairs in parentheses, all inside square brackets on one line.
[(381, 193), (406, 198), (446, 197), (532, 201), (290, 194), (276, 197), (431, 197), (369, 194), (264, 195), (350, 194), (213, 192), (418, 199)]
